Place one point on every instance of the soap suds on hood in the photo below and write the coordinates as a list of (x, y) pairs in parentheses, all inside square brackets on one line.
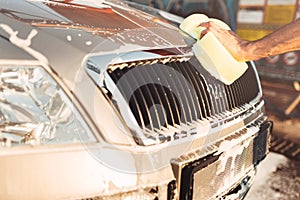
[(24, 43)]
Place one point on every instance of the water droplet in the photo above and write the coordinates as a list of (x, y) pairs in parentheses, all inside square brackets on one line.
[(88, 43), (69, 38)]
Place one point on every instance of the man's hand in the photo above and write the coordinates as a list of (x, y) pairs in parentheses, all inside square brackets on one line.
[(229, 40)]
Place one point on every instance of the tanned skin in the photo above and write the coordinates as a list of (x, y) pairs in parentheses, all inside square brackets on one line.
[(284, 39)]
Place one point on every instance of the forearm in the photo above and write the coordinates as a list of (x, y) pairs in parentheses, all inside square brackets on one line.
[(286, 38)]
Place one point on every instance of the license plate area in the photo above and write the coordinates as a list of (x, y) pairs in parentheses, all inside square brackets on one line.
[(217, 173)]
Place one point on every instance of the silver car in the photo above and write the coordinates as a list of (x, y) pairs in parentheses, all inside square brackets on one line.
[(106, 100)]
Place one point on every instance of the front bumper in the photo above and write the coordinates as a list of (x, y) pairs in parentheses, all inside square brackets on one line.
[(227, 173)]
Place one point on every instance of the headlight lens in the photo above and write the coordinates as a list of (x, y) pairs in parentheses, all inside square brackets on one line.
[(35, 110)]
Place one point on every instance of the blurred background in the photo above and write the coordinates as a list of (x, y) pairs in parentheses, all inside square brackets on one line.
[(279, 174)]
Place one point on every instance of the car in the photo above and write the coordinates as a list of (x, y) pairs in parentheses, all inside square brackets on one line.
[(106, 100)]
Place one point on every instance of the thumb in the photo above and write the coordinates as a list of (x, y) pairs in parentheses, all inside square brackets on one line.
[(203, 33)]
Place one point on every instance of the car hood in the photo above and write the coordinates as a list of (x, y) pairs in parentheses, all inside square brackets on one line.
[(63, 33), (86, 25)]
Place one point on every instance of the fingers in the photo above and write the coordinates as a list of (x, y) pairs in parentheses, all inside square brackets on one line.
[(205, 24), (219, 32), (203, 33), (210, 26)]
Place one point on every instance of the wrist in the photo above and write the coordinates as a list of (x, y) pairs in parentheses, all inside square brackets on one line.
[(247, 51)]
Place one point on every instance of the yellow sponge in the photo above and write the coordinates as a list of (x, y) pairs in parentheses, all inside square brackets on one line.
[(210, 52)]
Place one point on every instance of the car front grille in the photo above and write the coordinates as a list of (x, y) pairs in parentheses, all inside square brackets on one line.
[(176, 93)]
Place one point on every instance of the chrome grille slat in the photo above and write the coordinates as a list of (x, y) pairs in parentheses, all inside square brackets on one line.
[(140, 104), (164, 80), (232, 96), (172, 84), (218, 99), (126, 90), (186, 93), (197, 90), (243, 95), (229, 97), (237, 95), (234, 99), (185, 102), (224, 101), (244, 85), (189, 92), (157, 90), (153, 99), (170, 101), (214, 107), (140, 80), (206, 104), (196, 113)]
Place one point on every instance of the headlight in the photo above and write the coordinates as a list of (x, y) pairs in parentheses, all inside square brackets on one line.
[(35, 110)]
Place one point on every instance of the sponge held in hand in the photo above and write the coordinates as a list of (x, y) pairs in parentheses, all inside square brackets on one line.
[(210, 52)]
